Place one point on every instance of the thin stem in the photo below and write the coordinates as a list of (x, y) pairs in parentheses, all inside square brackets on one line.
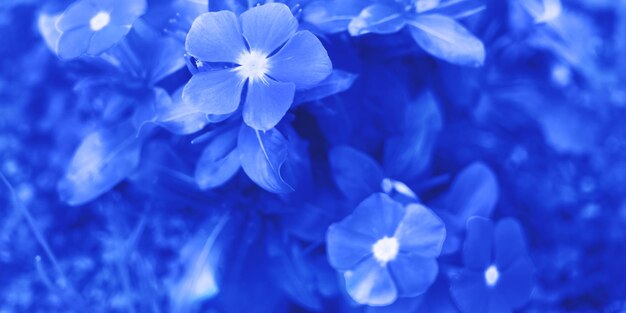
[(42, 274), (33, 227)]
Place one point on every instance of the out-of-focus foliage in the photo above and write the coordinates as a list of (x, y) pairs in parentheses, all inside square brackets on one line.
[(374, 156)]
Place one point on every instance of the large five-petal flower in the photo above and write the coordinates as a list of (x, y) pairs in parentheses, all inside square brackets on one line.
[(265, 60), (386, 250)]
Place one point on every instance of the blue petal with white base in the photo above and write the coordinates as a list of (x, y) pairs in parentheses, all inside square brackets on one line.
[(413, 274), (263, 51), (347, 248), (268, 27), (420, 232), (215, 37), (266, 103), (371, 284), (303, 61), (215, 92), (377, 216)]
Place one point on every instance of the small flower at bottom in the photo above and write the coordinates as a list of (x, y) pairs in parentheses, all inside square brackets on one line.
[(386, 250), (498, 276), (266, 59)]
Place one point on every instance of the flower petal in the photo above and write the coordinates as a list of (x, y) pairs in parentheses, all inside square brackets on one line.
[(303, 61), (215, 37), (267, 103), (125, 12), (74, 43), (214, 92), (516, 284), (447, 39), (371, 284), (509, 243), (102, 160), (470, 292), (377, 216), (76, 15), (497, 304), (106, 38), (267, 27), (346, 248), (478, 243), (474, 192), (421, 232), (413, 274), (356, 174)]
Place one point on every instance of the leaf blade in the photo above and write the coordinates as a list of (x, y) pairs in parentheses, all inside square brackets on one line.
[(103, 159), (262, 155), (448, 40)]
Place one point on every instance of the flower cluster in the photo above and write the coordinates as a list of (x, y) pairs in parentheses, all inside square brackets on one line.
[(375, 156)]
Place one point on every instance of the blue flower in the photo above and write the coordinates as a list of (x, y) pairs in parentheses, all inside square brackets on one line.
[(498, 276), (385, 250), (91, 27), (267, 60)]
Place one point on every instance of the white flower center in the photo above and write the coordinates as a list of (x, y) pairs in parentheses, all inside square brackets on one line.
[(254, 65), (561, 75), (99, 21), (386, 249), (492, 275)]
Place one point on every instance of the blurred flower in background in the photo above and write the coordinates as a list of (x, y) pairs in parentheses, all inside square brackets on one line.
[(486, 284), (92, 27)]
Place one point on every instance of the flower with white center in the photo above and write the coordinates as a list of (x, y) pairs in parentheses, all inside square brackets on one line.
[(498, 275), (270, 60), (386, 250), (94, 26)]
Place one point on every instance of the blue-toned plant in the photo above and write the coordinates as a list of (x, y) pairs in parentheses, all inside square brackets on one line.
[(92, 27), (110, 153), (312, 156), (498, 274), (386, 250), (474, 192), (261, 60), (432, 24)]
